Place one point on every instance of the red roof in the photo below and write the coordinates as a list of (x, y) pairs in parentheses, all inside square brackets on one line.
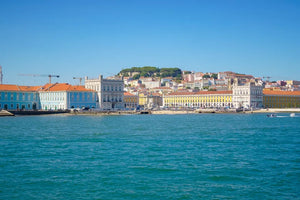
[(64, 87), (271, 92), (156, 94), (162, 88), (128, 94), (47, 87), (7, 87)]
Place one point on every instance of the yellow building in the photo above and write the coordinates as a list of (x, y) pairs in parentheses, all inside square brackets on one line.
[(131, 101), (151, 100), (281, 99), (142, 99), (202, 99)]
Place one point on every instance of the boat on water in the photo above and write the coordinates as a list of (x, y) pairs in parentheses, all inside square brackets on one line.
[(292, 115), (4, 113), (272, 115)]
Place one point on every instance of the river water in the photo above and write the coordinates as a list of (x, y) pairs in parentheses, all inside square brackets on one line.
[(203, 156)]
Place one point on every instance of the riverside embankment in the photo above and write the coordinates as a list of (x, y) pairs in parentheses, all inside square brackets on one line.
[(180, 112), (277, 110), (154, 112)]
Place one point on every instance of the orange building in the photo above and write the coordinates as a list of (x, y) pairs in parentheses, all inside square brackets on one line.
[(131, 101), (281, 99)]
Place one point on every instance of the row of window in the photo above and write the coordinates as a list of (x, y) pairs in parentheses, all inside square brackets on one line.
[(15, 106), (198, 104), (197, 99), (246, 92), (61, 97), (112, 88), (282, 99), (18, 96), (106, 87)]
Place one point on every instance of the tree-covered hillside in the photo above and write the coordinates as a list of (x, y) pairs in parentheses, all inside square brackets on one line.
[(149, 71)]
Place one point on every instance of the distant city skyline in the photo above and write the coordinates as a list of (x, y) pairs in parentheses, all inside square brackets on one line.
[(88, 38)]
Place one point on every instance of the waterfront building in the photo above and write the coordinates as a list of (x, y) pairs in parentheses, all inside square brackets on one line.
[(57, 96), (201, 99), (110, 92), (14, 97), (62, 96), (155, 100), (248, 95), (150, 100), (131, 101), (143, 99), (281, 99)]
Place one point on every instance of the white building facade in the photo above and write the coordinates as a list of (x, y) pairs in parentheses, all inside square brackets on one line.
[(110, 92), (249, 95), (62, 96)]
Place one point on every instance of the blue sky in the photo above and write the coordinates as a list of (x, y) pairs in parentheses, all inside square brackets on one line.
[(91, 37)]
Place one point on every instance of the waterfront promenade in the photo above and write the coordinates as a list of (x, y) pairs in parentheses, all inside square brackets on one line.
[(177, 112), (158, 112)]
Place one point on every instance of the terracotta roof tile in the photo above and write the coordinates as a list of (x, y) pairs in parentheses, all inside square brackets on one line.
[(128, 94), (63, 87), (162, 88), (270, 92), (6, 87), (29, 88)]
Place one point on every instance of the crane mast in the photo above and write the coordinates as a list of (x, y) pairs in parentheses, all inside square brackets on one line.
[(80, 79)]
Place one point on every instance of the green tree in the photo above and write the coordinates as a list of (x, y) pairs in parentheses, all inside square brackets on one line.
[(136, 76), (173, 72), (215, 76)]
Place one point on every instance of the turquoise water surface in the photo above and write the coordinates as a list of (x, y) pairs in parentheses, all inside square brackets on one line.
[(205, 156)]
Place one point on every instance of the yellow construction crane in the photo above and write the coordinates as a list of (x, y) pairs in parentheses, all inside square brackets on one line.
[(44, 75), (80, 79)]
